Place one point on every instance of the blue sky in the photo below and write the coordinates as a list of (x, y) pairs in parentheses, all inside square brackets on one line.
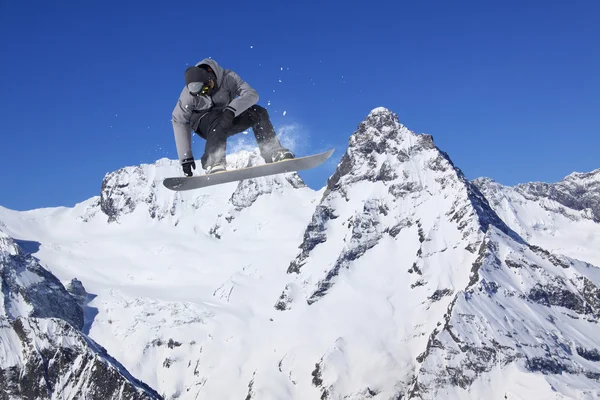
[(511, 89)]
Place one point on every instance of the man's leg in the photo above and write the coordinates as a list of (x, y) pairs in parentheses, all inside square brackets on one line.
[(257, 118), (216, 140)]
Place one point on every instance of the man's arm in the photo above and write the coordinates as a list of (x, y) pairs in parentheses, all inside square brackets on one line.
[(247, 96), (181, 127)]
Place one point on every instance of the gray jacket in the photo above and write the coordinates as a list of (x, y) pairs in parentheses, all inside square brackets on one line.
[(232, 92)]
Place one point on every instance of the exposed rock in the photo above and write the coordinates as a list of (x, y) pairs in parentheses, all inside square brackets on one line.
[(76, 289), (56, 361), (43, 354), (29, 290)]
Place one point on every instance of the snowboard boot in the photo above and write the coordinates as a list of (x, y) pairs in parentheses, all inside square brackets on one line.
[(213, 169), (281, 155)]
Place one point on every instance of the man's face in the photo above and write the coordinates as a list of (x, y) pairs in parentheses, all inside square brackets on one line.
[(208, 88), (201, 88)]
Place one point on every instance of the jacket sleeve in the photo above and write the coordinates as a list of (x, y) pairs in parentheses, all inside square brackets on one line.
[(181, 127), (247, 96)]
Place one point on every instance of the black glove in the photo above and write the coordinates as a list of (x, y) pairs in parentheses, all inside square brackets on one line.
[(226, 120), (188, 164)]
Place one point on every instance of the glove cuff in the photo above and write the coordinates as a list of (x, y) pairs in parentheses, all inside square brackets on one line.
[(188, 160)]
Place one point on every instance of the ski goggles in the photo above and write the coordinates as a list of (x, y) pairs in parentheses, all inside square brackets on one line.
[(197, 88)]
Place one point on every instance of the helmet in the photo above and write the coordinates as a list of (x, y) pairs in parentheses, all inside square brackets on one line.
[(198, 80)]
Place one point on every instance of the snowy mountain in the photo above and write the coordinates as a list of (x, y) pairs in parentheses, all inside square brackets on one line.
[(43, 354), (563, 217), (397, 280), (177, 279), (401, 232)]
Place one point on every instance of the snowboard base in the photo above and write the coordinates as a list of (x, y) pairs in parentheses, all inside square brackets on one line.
[(217, 178)]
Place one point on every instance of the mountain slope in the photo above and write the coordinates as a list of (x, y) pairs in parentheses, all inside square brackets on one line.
[(523, 310), (42, 353), (563, 217)]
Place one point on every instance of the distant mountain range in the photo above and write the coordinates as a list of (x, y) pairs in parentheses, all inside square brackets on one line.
[(400, 279)]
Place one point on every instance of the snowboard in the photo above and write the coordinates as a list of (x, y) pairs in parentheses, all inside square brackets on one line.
[(217, 178)]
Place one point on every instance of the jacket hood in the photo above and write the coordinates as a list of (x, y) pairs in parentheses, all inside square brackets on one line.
[(218, 70)]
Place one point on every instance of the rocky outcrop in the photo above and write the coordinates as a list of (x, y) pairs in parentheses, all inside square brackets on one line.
[(48, 359), (43, 353), (560, 217), (575, 197), (578, 191), (29, 290), (518, 308)]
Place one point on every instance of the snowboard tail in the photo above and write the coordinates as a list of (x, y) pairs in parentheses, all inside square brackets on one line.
[(291, 165)]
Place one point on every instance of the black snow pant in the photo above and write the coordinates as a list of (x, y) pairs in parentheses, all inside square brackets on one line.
[(256, 117)]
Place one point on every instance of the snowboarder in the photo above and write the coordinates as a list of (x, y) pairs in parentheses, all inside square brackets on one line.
[(216, 103)]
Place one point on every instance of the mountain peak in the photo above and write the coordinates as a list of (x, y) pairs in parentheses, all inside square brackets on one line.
[(392, 180), (380, 110), (383, 150), (379, 145), (381, 123)]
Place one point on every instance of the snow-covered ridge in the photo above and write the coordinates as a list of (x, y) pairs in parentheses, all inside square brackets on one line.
[(578, 192), (131, 188), (562, 216)]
